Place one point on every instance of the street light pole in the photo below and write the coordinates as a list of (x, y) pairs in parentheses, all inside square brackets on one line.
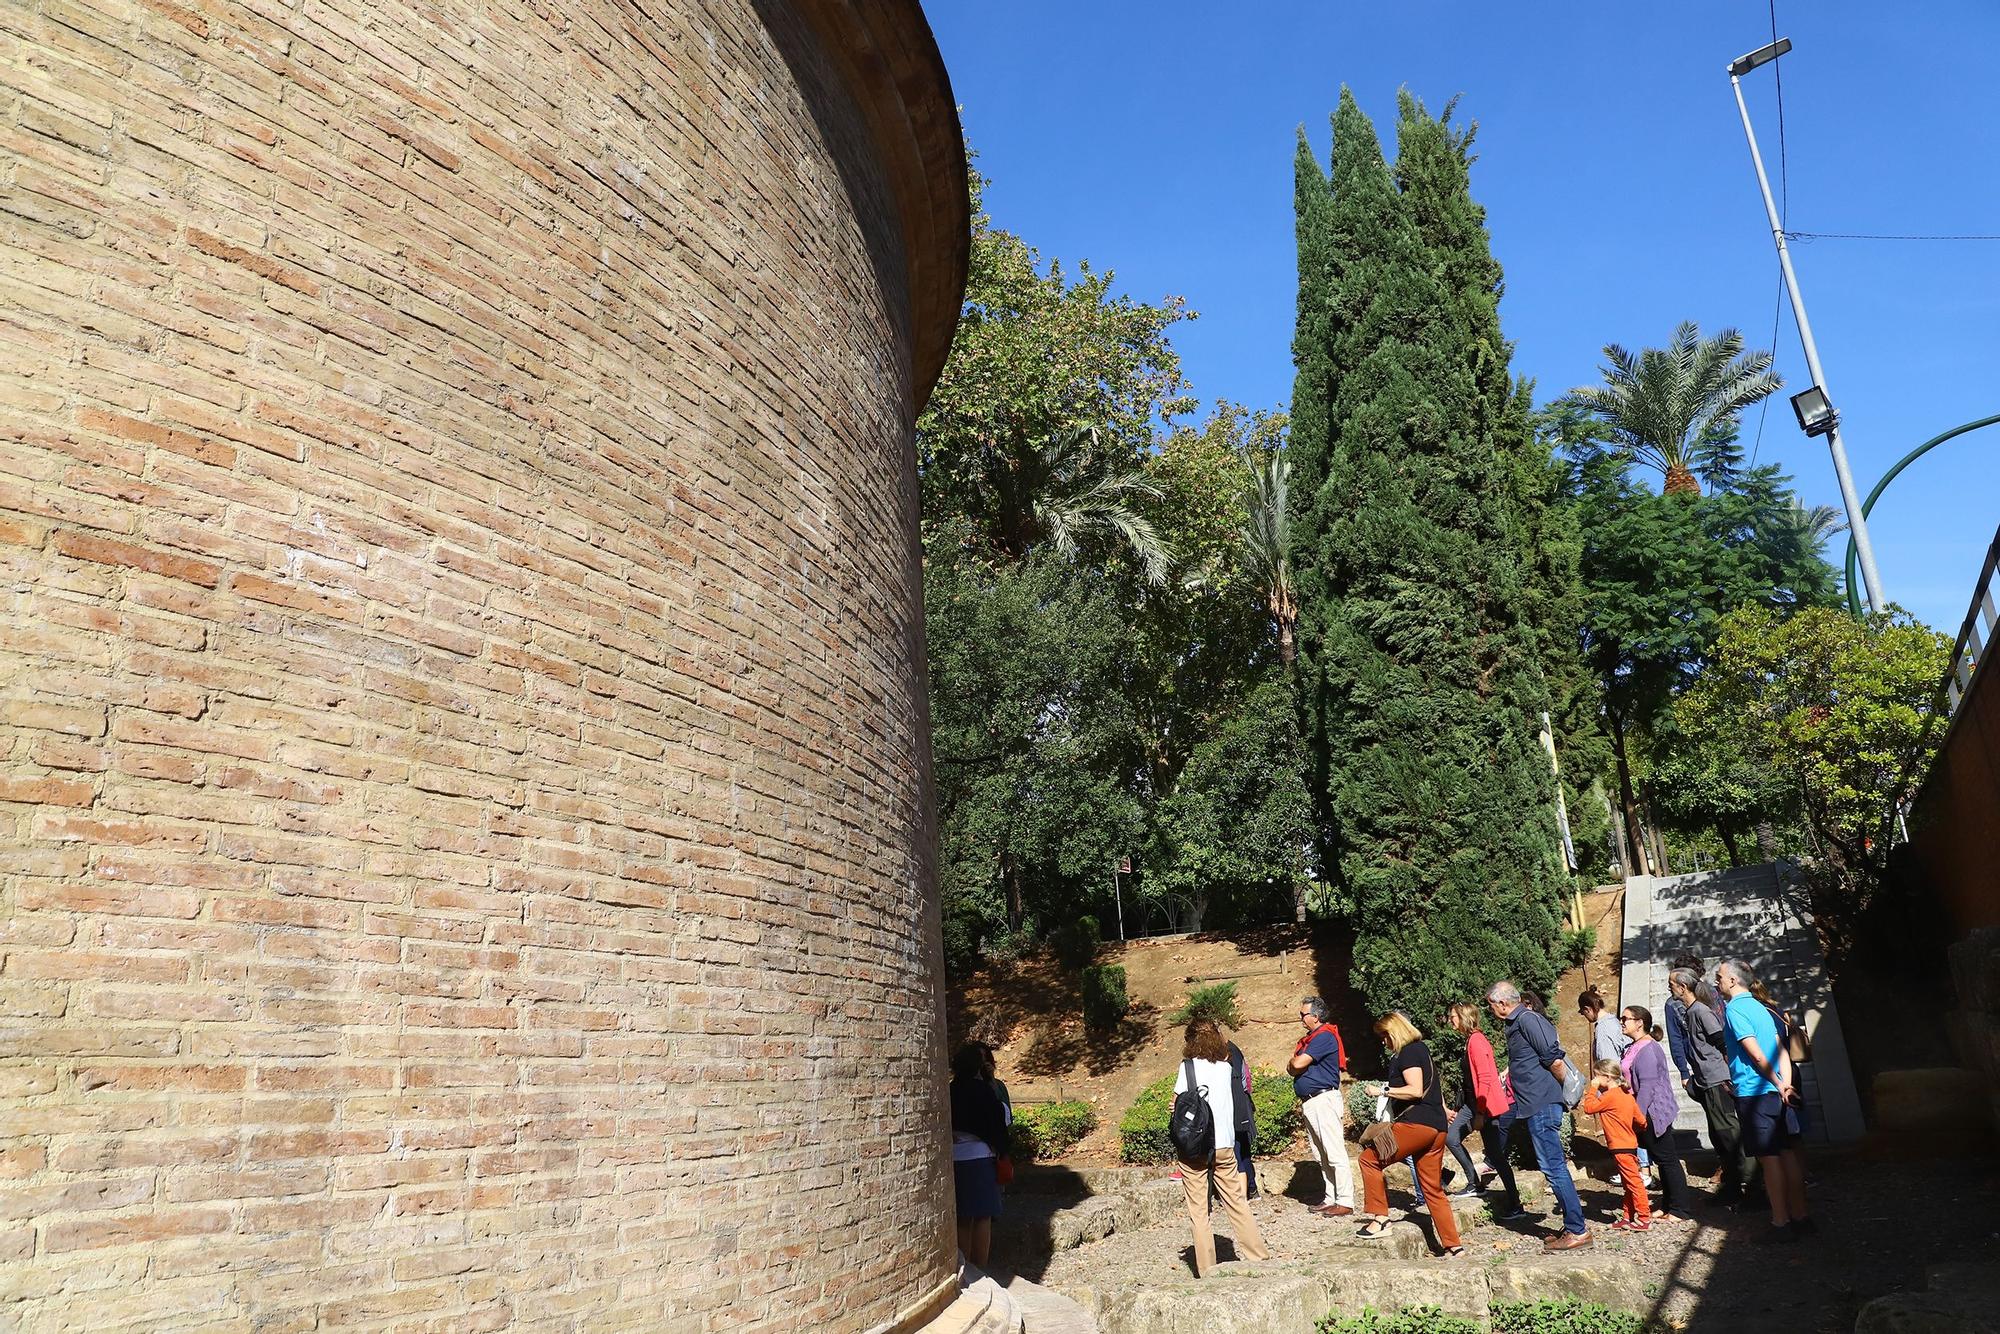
[(1857, 522)]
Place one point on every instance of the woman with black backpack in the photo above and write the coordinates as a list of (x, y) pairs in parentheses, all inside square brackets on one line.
[(1208, 1119)]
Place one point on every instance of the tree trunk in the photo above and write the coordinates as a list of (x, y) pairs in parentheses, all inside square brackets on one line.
[(1288, 649), (1681, 482), (1634, 853), (1729, 844), (1012, 875), (1659, 844), (1299, 900), (1767, 842)]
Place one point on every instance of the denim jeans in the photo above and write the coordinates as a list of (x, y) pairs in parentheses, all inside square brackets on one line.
[(1545, 1129)]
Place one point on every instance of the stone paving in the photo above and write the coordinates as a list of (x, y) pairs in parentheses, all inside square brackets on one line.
[(1879, 1239)]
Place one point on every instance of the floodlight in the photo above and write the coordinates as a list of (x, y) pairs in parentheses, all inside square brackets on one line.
[(1816, 415)]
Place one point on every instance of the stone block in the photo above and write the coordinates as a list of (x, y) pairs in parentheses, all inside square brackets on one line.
[(1457, 1288), (1619, 1287), (1943, 1100), (1924, 1313), (1265, 1305)]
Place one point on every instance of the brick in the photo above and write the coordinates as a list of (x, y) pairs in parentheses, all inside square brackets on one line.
[(45, 790), (87, 1234), (462, 746), (109, 551)]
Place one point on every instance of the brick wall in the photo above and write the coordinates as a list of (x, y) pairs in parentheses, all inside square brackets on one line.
[(463, 777)]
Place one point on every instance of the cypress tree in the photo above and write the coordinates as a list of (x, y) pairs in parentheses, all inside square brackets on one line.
[(1419, 686), (1434, 172)]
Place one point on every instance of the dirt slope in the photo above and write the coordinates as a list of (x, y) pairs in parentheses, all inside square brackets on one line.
[(1031, 1010)]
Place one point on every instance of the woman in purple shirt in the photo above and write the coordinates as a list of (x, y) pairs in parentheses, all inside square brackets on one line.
[(1652, 1085)]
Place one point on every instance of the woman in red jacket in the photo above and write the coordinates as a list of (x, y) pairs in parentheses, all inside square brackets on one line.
[(1486, 1102)]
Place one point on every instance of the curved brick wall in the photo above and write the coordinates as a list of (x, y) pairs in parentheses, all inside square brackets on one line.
[(463, 773)]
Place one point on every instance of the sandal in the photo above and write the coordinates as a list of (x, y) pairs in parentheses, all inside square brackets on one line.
[(1374, 1229), (1453, 1253)]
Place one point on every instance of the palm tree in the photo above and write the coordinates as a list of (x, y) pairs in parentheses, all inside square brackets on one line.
[(1676, 408), (1267, 544), (1816, 526), (1056, 493)]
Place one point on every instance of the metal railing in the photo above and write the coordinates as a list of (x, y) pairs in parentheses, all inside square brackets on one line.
[(1975, 637)]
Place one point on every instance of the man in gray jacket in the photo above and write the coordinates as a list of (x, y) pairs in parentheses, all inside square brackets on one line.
[(1536, 1070)]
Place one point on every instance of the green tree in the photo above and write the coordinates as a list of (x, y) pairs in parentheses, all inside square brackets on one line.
[(1420, 693), (1040, 424), (1840, 710), (1676, 409), (1660, 571), (1235, 830), (1032, 736), (1267, 545), (1203, 656), (1434, 174)]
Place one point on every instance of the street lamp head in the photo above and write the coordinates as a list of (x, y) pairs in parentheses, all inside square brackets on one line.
[(1763, 55), (1816, 415)]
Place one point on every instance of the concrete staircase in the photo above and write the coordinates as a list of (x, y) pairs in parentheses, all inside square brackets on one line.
[(1758, 914)]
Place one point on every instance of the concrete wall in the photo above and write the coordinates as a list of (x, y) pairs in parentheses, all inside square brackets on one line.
[(464, 837), (1955, 819)]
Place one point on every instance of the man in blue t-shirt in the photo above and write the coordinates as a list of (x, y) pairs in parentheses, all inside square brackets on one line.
[(1767, 1105), (1315, 1070)]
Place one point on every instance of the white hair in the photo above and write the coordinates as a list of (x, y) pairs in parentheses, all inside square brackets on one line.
[(1505, 992)]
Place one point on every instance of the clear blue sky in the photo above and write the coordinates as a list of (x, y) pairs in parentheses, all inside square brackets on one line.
[(1157, 139)]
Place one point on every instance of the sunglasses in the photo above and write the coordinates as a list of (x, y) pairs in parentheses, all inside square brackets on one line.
[(1628, 1018)]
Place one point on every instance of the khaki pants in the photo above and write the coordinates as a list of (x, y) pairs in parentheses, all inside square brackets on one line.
[(1229, 1188), (1326, 1118)]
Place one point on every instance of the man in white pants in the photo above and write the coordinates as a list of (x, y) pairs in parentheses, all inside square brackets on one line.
[(1315, 1069)]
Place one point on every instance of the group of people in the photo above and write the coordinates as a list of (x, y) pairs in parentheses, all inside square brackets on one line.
[(1734, 1055)]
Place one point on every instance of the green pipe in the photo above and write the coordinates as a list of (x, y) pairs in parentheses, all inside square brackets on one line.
[(1854, 598)]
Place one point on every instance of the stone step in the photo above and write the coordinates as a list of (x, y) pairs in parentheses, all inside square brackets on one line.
[(1046, 1311)]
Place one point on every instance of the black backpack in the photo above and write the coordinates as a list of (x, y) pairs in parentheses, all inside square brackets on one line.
[(1192, 1127)]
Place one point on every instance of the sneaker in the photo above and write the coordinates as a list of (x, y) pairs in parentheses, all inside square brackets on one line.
[(1463, 1193), (1777, 1234), (1804, 1227), (1515, 1215)]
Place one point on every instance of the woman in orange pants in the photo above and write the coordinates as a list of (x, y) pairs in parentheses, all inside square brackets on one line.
[(1418, 1124)]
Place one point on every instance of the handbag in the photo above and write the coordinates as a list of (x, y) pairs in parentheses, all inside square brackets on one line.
[(1572, 1084), (1797, 1045), (1381, 1137)]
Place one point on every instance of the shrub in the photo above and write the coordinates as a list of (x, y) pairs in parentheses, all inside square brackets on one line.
[(1565, 1315), (1360, 1104), (1051, 1129), (1142, 1131), (1277, 1107), (1577, 945), (1217, 1002), (1409, 1320), (1075, 943), (1523, 1147), (1104, 1002)]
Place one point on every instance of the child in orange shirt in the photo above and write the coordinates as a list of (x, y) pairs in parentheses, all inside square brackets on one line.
[(1618, 1114)]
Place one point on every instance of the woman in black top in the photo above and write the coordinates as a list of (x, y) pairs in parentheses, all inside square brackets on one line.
[(978, 1138), (1417, 1125)]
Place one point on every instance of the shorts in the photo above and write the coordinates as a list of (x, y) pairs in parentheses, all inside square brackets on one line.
[(976, 1183), (1769, 1126)]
